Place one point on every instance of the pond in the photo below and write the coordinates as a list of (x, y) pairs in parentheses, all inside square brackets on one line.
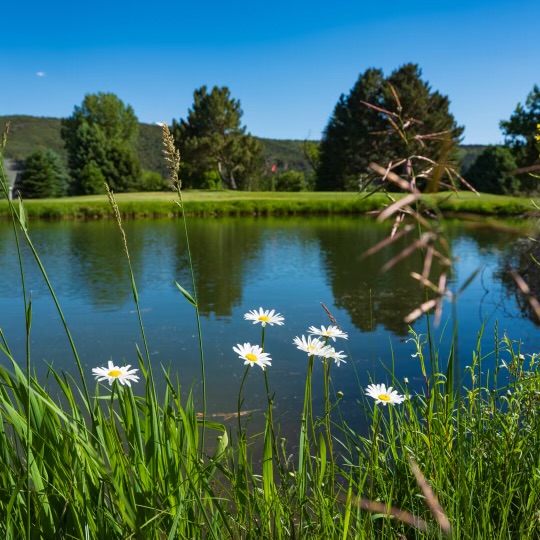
[(287, 264)]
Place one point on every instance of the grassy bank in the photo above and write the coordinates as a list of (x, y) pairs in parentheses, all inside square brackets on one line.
[(219, 203)]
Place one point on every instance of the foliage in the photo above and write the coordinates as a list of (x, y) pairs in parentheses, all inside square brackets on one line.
[(149, 149), (100, 136), (286, 155), (494, 171), (152, 181), (311, 153), (347, 145), (290, 181), (44, 176), (519, 130), (212, 140), (29, 134), (358, 134)]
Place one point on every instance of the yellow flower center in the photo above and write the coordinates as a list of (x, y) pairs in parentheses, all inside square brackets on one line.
[(384, 397), (114, 373), (251, 357), (264, 318)]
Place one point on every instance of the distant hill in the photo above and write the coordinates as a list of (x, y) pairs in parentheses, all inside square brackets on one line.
[(30, 133), (286, 154), (27, 134)]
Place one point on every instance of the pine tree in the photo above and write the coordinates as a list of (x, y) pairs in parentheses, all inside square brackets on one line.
[(360, 131), (348, 143), (44, 176), (213, 144)]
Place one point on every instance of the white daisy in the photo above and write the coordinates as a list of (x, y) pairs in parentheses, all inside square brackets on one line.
[(384, 395), (312, 345), (252, 354), (332, 332), (264, 317), (122, 374), (330, 352)]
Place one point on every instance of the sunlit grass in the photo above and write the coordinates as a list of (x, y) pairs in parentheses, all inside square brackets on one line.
[(206, 202)]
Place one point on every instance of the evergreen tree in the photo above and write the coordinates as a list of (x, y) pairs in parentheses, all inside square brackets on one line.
[(212, 142), (44, 176), (348, 143), (100, 139), (492, 172), (357, 134), (428, 114)]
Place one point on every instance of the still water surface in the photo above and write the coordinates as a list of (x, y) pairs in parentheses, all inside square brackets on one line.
[(289, 264)]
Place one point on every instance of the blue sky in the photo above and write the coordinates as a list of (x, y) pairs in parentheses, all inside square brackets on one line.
[(287, 62)]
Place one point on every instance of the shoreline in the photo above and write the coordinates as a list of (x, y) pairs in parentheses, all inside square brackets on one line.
[(152, 205)]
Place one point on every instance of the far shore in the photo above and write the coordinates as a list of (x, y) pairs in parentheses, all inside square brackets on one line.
[(250, 203)]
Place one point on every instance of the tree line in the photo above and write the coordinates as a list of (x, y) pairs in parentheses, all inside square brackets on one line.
[(383, 119)]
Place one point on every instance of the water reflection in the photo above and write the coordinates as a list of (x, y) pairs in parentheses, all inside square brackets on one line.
[(370, 297), (96, 263), (240, 264), (223, 251)]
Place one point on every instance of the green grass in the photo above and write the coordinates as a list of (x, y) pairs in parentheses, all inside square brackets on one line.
[(201, 203)]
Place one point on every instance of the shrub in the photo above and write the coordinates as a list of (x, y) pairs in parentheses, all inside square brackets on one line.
[(492, 172)]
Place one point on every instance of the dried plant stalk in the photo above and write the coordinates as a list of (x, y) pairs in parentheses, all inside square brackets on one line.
[(377, 507), (431, 500)]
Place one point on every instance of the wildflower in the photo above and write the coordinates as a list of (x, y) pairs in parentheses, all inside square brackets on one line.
[(264, 317), (312, 346), (381, 394), (252, 354), (330, 352), (406, 380), (331, 332), (122, 374)]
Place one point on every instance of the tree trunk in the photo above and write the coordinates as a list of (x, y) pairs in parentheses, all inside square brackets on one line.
[(227, 180)]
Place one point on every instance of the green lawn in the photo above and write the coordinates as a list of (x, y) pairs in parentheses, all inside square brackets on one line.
[(134, 205)]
